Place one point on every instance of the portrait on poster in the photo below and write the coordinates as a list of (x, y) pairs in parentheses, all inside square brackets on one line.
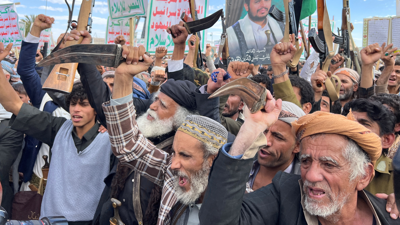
[(253, 36)]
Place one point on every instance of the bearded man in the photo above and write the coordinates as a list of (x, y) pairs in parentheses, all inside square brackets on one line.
[(182, 174), (249, 32), (350, 83), (337, 156)]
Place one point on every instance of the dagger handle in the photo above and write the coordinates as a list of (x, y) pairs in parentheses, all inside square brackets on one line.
[(321, 10), (83, 20)]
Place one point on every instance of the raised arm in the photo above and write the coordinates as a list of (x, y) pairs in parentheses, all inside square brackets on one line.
[(223, 202), (280, 55), (128, 143), (192, 46), (369, 56), (27, 60), (388, 57), (28, 120)]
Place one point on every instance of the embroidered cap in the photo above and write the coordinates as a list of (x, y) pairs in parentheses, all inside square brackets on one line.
[(205, 130)]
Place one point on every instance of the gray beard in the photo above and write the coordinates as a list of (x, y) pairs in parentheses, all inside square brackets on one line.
[(312, 206), (347, 95), (198, 184), (156, 127)]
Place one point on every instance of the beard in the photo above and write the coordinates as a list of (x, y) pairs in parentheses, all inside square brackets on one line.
[(156, 127), (198, 184), (255, 17), (314, 207), (347, 94), (230, 112), (159, 127)]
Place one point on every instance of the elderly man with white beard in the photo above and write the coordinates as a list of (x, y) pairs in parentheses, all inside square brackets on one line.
[(337, 156), (182, 174)]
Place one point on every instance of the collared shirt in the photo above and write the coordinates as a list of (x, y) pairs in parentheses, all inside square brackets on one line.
[(44, 127), (190, 216), (260, 36), (87, 138), (254, 171)]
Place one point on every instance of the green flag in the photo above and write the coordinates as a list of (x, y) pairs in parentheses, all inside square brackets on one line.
[(307, 9)]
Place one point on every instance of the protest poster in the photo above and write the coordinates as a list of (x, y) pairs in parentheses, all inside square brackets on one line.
[(45, 37), (9, 26), (252, 32), (381, 30), (22, 28), (126, 8), (165, 13), (119, 27)]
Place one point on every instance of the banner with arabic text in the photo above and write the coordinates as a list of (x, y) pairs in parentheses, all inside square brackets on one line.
[(126, 8), (9, 26), (165, 13), (119, 27), (21, 27)]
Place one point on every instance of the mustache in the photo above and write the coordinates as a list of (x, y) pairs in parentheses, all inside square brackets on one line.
[(323, 186), (152, 114), (262, 9), (179, 173)]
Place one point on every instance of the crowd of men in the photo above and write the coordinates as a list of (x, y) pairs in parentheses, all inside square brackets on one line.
[(144, 143)]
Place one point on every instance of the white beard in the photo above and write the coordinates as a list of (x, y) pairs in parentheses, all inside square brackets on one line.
[(156, 127), (198, 184), (313, 206)]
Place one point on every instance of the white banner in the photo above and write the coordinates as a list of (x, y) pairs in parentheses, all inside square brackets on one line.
[(165, 13), (22, 28), (119, 27), (126, 8), (9, 26)]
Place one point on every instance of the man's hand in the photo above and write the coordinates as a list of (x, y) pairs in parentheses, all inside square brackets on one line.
[(213, 86), (39, 56), (132, 66), (318, 80), (387, 55), (4, 51), (339, 61), (239, 69), (254, 71), (161, 52), (283, 52), (179, 33), (391, 206), (208, 50), (120, 40), (159, 76), (41, 22), (371, 54), (266, 117), (102, 129), (75, 35), (192, 42)]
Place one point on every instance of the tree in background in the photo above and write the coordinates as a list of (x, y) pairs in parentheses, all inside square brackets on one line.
[(28, 20)]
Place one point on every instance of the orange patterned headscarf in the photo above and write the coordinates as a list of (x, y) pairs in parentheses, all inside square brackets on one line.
[(328, 123)]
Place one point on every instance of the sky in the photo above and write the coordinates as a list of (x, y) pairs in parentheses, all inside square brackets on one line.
[(360, 9)]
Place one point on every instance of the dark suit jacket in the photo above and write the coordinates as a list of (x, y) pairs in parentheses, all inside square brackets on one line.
[(225, 201)]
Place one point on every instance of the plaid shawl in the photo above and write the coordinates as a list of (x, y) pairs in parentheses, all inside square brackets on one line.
[(131, 147)]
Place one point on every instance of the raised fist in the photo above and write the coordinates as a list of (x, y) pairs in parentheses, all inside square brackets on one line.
[(192, 42), (161, 52), (239, 69), (371, 54), (43, 22), (208, 50), (120, 40), (179, 33)]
